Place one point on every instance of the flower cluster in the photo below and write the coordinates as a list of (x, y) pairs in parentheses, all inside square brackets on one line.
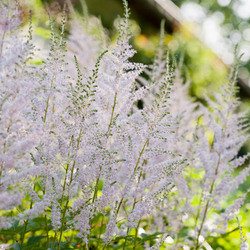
[(77, 150)]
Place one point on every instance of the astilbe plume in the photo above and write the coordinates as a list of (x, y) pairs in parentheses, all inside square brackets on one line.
[(127, 132), (169, 215), (212, 165), (76, 146), (219, 159), (16, 131), (83, 40), (90, 131), (217, 138), (243, 245)]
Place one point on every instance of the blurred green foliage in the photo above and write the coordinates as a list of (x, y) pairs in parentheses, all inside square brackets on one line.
[(202, 67), (235, 23)]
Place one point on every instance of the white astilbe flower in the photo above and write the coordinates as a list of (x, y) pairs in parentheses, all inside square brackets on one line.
[(78, 153), (219, 158), (243, 244), (16, 132), (83, 40), (171, 211), (128, 134), (214, 164)]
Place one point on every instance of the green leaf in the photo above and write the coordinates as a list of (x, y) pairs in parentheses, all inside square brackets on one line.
[(7, 232), (146, 237), (35, 239)]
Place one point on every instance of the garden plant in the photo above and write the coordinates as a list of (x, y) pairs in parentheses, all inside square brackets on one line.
[(100, 152)]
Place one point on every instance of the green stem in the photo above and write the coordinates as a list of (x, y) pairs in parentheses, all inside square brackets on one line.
[(47, 102), (136, 233), (46, 225), (62, 227), (23, 234), (47, 230), (1, 171), (199, 208), (112, 114), (96, 187), (54, 239), (64, 184), (4, 151), (26, 223), (100, 233), (207, 206), (125, 242), (1, 48), (119, 206), (202, 223), (140, 155)]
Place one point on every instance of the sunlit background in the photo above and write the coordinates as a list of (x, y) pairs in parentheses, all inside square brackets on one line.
[(206, 31)]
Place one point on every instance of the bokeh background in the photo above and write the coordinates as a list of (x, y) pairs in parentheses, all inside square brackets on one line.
[(204, 32), (201, 33)]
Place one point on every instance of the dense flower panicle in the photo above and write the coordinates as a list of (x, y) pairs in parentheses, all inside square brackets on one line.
[(84, 46), (82, 41), (10, 16), (217, 161), (75, 146), (243, 245), (16, 130)]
